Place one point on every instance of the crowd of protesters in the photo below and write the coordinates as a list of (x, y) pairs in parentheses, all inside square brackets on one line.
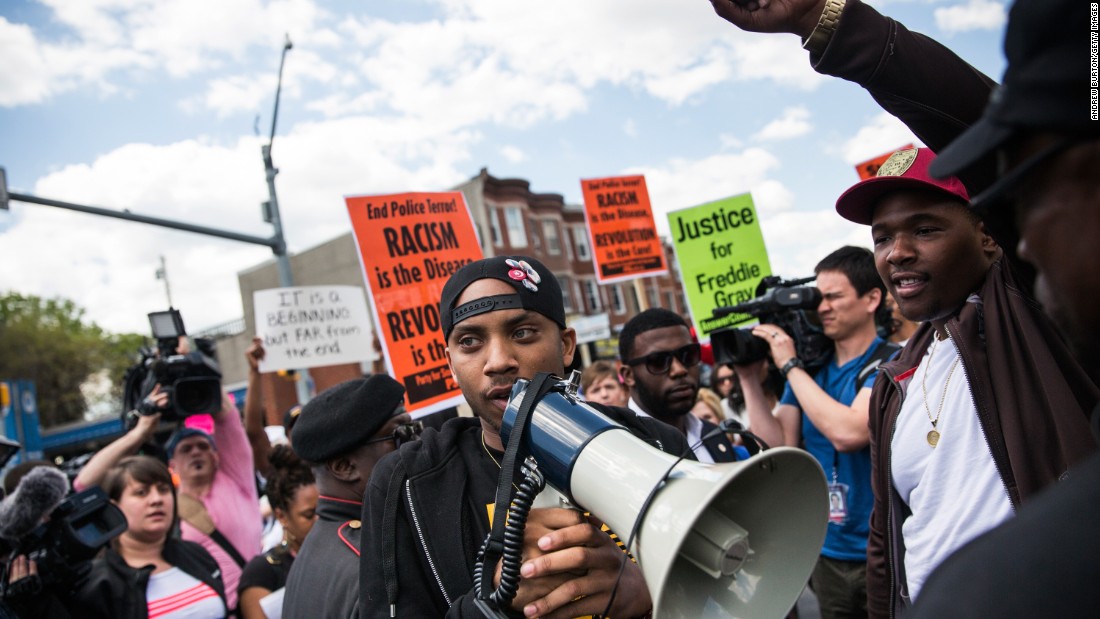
[(954, 417)]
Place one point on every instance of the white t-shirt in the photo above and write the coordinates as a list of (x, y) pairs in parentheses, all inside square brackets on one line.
[(693, 432), (175, 594), (953, 490)]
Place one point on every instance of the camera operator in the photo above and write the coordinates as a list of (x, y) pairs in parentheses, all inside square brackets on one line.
[(827, 413), (27, 505), (219, 505)]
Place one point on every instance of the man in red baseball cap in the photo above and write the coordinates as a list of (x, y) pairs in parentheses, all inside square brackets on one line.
[(985, 405)]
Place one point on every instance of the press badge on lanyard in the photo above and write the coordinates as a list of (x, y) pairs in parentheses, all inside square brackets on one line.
[(838, 497)]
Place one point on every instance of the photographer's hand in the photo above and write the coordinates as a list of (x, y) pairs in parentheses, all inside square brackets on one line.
[(780, 344), (21, 567), (792, 16), (153, 403), (776, 425)]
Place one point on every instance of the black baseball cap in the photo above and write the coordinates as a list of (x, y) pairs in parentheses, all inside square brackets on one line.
[(536, 287), (1045, 87)]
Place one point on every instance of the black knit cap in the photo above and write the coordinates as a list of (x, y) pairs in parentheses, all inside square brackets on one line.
[(536, 287), (341, 418)]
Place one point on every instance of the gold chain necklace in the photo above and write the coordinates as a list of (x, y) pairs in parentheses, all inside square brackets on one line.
[(933, 436), (492, 457)]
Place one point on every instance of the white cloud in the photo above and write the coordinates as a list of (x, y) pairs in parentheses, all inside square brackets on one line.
[(883, 134), (108, 39), (681, 183), (775, 59), (974, 15), (513, 154), (630, 128), (793, 123), (798, 240), (23, 74), (109, 265)]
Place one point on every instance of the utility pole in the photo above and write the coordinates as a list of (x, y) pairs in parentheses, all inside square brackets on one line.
[(272, 216), (162, 273)]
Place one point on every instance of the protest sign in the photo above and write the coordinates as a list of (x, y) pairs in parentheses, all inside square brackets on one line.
[(312, 326), (869, 169), (623, 235), (591, 328), (722, 258), (409, 245)]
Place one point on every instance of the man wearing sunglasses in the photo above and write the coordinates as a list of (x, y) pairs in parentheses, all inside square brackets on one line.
[(661, 369), (343, 433), (826, 413)]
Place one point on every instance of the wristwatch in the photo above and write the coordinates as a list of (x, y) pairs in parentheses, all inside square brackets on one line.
[(826, 26), (795, 362)]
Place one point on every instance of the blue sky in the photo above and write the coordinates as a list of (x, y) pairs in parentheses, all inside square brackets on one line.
[(152, 105)]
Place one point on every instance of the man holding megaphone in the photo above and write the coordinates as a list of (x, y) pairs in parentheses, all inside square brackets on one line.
[(429, 505)]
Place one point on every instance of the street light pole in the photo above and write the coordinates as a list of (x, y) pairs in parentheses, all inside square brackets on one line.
[(271, 215), (271, 207)]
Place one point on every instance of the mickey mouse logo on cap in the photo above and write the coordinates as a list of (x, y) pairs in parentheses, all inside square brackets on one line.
[(521, 271)]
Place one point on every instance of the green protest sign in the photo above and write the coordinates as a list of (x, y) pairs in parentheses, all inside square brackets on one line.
[(722, 258)]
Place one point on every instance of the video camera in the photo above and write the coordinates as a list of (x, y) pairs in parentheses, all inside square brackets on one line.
[(787, 304), (192, 380), (62, 547)]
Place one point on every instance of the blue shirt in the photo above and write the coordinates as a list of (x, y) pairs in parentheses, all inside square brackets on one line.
[(846, 541)]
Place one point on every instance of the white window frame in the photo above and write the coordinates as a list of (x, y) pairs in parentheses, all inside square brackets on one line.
[(494, 227), (618, 300), (566, 282), (580, 238), (517, 231), (592, 301), (552, 236)]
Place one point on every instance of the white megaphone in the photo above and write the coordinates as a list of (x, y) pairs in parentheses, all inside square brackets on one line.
[(717, 541)]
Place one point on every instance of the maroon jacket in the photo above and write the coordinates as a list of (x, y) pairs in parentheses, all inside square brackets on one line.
[(1033, 402)]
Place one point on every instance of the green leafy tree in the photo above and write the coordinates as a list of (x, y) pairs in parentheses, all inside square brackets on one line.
[(50, 342)]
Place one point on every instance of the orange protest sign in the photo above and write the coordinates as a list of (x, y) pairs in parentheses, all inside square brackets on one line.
[(868, 169), (623, 235), (409, 245)]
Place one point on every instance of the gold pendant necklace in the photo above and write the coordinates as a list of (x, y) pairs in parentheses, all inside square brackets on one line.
[(933, 436)]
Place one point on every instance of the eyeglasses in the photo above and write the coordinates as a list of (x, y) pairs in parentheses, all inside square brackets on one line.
[(660, 362), (721, 380), (404, 433)]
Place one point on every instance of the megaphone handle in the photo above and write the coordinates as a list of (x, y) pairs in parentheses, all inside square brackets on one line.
[(493, 548), (512, 553)]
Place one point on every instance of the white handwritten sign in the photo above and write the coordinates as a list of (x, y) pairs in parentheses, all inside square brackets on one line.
[(591, 328), (312, 326)]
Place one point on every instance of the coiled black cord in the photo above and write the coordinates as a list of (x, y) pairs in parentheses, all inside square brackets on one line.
[(512, 557)]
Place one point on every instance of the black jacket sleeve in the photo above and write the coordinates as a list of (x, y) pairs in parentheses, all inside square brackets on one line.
[(928, 87)]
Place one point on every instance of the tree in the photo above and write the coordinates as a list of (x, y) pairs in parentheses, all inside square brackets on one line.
[(50, 342)]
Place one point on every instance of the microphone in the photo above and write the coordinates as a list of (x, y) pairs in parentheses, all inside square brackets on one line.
[(754, 445), (37, 494)]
